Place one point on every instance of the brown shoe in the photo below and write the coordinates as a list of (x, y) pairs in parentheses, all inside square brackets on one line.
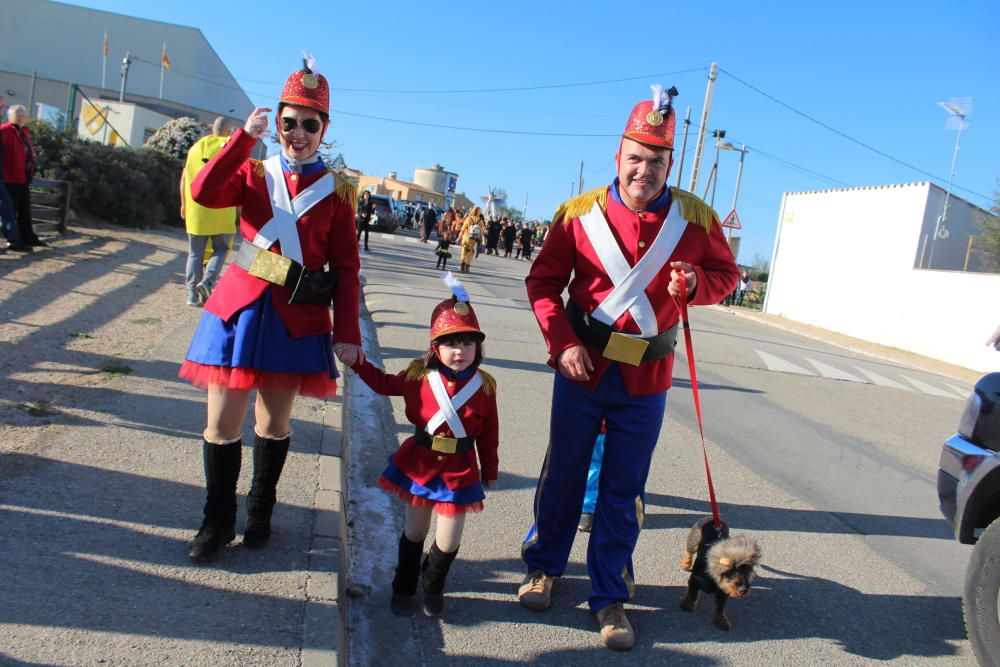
[(616, 631), (536, 591)]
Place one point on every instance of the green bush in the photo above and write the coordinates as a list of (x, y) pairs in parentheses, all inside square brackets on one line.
[(124, 186)]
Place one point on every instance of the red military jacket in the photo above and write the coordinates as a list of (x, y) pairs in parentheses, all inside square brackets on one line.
[(478, 415), (326, 233), (15, 156), (567, 258)]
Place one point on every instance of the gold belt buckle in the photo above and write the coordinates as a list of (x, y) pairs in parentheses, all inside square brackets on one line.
[(626, 349), (270, 266), (444, 445)]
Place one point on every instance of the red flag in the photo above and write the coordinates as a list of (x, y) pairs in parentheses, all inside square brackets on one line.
[(106, 48), (165, 61)]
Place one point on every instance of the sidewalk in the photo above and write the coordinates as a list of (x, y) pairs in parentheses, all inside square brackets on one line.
[(101, 482)]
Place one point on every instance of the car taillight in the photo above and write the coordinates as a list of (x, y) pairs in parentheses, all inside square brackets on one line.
[(970, 416), (971, 461)]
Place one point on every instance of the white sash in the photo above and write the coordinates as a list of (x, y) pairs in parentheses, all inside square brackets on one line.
[(287, 212), (630, 282), (448, 407)]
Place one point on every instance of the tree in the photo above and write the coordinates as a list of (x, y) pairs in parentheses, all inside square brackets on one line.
[(760, 262), (515, 214), (987, 244)]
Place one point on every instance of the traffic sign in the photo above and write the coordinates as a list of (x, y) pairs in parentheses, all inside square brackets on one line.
[(732, 220)]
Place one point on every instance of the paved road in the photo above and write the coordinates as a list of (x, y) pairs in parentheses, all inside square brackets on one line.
[(827, 456)]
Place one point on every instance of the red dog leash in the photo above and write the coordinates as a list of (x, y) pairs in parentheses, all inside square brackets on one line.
[(681, 304)]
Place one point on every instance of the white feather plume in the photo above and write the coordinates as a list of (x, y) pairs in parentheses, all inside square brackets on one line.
[(309, 60), (456, 287), (657, 95)]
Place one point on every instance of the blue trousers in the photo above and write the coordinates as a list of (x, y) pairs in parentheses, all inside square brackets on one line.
[(7, 217), (632, 428)]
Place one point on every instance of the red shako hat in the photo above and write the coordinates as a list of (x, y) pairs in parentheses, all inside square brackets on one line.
[(305, 88), (454, 315), (653, 122)]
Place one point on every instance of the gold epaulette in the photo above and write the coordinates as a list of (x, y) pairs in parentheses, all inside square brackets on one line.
[(489, 383), (693, 209), (416, 370), (345, 190), (581, 204), (257, 167)]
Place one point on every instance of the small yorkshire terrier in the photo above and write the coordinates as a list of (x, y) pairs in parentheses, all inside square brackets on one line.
[(718, 564)]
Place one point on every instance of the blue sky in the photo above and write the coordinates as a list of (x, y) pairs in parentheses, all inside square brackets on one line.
[(873, 71)]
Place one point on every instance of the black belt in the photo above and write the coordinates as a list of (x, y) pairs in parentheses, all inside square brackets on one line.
[(597, 334), (442, 444)]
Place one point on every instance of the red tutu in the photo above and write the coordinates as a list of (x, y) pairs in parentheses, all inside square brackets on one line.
[(442, 508), (319, 385)]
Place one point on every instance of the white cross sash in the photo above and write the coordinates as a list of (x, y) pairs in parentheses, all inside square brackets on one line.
[(630, 282), (448, 406), (282, 227)]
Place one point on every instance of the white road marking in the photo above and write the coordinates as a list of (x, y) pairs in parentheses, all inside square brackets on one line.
[(964, 393), (928, 389), (828, 371), (774, 363), (883, 381)]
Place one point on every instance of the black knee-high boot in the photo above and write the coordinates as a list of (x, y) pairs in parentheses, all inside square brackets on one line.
[(268, 460), (404, 584), (435, 571), (222, 470)]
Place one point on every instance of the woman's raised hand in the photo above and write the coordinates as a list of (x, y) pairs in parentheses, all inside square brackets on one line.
[(257, 122)]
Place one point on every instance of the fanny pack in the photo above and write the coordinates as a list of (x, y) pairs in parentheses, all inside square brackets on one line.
[(309, 286)]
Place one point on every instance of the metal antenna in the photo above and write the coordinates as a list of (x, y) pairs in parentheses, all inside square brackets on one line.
[(958, 109)]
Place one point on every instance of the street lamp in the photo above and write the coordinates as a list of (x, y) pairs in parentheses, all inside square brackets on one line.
[(958, 109), (713, 175), (726, 145)]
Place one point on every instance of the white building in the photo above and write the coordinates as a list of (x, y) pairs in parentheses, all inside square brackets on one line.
[(850, 261), (47, 46)]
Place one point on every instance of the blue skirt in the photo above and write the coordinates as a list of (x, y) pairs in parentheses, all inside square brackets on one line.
[(436, 493), (255, 344)]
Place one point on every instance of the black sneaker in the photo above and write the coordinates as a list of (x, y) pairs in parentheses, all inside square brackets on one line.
[(18, 247), (403, 604)]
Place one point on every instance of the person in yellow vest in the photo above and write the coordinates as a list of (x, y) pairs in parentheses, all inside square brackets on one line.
[(204, 225)]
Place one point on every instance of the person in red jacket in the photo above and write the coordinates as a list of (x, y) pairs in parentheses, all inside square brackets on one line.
[(267, 324), (18, 171), (452, 403), (620, 251)]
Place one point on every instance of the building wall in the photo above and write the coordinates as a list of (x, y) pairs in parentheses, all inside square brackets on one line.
[(844, 260), (134, 123), (398, 189), (63, 44)]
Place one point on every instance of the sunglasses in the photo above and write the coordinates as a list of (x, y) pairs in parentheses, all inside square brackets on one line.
[(310, 125)]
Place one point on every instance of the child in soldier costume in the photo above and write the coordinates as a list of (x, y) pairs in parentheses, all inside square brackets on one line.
[(453, 405), (267, 324)]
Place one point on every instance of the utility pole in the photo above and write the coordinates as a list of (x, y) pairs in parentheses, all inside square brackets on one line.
[(684, 143), (126, 63), (712, 74), (579, 189)]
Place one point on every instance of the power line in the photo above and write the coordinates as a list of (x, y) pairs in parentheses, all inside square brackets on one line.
[(469, 129), (523, 88), (841, 134)]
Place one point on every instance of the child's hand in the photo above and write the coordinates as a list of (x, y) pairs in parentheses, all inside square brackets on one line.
[(489, 484)]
